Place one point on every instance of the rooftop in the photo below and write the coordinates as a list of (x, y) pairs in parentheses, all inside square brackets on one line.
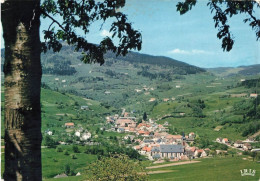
[(171, 149)]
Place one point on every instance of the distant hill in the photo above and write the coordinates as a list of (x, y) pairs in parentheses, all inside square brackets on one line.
[(134, 57), (59, 63), (177, 67), (231, 71)]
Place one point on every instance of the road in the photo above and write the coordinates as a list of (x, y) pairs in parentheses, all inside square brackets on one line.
[(172, 164)]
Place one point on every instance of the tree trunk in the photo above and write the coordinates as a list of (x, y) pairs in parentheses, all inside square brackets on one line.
[(22, 69)]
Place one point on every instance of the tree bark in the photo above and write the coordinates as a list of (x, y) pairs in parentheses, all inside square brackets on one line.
[(22, 69)]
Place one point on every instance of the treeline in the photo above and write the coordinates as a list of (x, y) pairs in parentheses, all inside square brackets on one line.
[(164, 76), (197, 108), (251, 83), (249, 108), (203, 142), (251, 129), (145, 72), (59, 68), (107, 150), (165, 62)]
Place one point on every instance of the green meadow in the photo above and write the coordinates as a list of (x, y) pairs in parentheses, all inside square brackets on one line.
[(217, 169)]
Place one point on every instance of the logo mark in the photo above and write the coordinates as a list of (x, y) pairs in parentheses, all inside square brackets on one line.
[(247, 172)]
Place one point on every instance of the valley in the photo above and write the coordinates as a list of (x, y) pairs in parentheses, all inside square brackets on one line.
[(78, 99)]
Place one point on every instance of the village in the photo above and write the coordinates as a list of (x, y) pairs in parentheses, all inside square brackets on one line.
[(153, 140)]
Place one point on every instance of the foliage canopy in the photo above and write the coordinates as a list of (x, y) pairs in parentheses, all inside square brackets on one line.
[(80, 15), (118, 168)]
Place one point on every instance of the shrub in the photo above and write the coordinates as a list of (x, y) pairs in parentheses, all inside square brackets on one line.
[(75, 149), (117, 167), (66, 152), (55, 160), (73, 156), (59, 149)]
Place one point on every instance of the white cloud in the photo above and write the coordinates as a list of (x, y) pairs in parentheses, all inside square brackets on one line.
[(178, 51), (105, 33), (192, 52)]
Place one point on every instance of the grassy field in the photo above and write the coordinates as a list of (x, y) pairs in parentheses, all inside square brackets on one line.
[(217, 169), (53, 162)]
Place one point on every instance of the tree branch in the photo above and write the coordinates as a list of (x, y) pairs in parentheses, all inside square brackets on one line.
[(54, 20), (50, 26), (250, 13)]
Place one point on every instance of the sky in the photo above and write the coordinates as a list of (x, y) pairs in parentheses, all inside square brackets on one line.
[(190, 38)]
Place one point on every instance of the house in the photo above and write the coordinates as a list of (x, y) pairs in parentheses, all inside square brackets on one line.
[(84, 107), (62, 143), (250, 139), (253, 95), (155, 150), (174, 138), (77, 133), (189, 140), (138, 141), (121, 122), (146, 149), (131, 137), (137, 147), (110, 120), (169, 151), (219, 140), (190, 152), (127, 129), (152, 99), (138, 90), (120, 130), (145, 88), (191, 135), (238, 144), (161, 128), (126, 114), (143, 126), (107, 92), (86, 136), (225, 140), (69, 125), (247, 146), (63, 81), (182, 114), (151, 121), (132, 130), (156, 156), (207, 149), (166, 99), (200, 153), (49, 133), (143, 133), (148, 141), (160, 135)]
